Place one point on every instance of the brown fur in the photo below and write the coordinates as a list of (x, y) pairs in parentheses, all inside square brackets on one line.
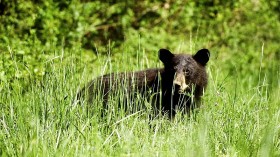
[(179, 85)]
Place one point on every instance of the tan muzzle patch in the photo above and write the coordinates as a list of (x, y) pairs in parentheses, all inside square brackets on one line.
[(181, 81)]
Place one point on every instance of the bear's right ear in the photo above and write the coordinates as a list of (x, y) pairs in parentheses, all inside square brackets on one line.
[(165, 56), (202, 56)]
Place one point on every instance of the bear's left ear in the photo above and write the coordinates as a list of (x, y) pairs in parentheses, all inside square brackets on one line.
[(202, 56), (165, 56)]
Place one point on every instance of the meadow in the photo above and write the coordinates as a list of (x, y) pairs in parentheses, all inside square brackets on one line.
[(49, 50)]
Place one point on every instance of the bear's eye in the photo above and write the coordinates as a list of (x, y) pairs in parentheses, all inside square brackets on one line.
[(187, 72)]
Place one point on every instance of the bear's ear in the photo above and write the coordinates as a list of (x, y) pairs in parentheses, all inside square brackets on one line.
[(165, 56), (202, 56)]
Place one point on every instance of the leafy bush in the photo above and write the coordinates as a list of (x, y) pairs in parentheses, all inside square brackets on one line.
[(234, 31)]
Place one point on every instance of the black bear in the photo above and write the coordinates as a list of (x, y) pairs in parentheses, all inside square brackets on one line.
[(179, 85)]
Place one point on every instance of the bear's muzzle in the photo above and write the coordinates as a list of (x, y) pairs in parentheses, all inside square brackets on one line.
[(181, 82)]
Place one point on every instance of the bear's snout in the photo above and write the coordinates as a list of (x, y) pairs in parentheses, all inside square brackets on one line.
[(180, 81)]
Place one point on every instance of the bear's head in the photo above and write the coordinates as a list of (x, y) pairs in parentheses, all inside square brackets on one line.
[(187, 71)]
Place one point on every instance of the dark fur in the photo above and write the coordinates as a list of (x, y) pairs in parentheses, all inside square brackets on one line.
[(167, 96)]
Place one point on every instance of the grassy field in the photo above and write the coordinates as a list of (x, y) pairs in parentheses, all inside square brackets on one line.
[(239, 117), (48, 51)]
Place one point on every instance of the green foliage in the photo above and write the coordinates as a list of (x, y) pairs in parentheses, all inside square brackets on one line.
[(235, 31)]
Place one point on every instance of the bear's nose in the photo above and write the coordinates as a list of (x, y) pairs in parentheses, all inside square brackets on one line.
[(181, 82)]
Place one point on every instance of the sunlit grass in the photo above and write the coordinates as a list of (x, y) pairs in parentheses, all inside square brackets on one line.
[(42, 120)]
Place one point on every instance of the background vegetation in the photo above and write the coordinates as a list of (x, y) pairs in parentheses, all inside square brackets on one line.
[(50, 48)]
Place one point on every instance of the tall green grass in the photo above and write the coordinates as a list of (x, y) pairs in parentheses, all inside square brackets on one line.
[(240, 116)]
